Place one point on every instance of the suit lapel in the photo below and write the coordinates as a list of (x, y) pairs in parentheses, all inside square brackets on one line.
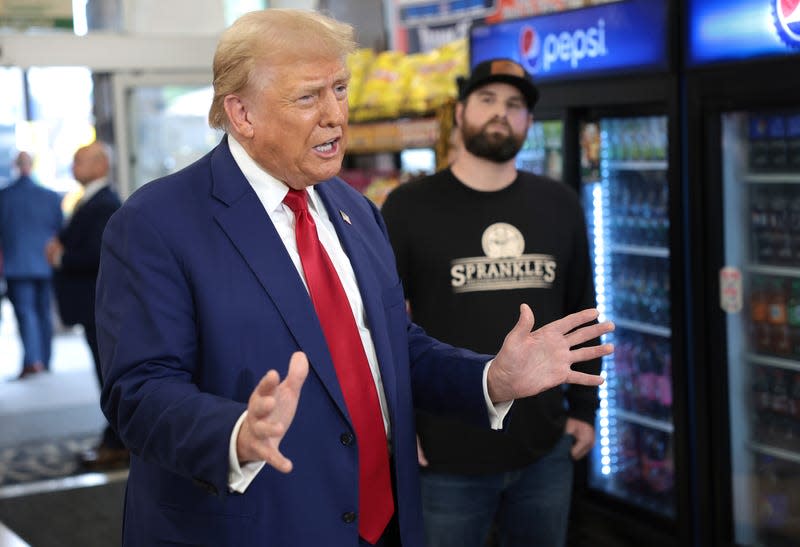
[(350, 232), (250, 230)]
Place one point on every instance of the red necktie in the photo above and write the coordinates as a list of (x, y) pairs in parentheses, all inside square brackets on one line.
[(376, 504)]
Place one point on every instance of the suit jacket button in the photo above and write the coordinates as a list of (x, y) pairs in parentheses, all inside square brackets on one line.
[(346, 439), (349, 517)]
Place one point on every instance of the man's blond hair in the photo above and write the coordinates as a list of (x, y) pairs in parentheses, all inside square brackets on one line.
[(267, 37)]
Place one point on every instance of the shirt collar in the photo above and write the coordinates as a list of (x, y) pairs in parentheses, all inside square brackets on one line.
[(92, 188), (270, 190)]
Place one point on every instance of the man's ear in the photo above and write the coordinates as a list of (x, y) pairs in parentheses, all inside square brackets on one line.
[(236, 110), (459, 114)]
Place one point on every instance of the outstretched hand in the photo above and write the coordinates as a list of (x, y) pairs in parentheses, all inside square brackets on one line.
[(270, 412), (532, 362)]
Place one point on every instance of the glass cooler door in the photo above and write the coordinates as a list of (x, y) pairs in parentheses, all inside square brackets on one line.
[(626, 199), (761, 192)]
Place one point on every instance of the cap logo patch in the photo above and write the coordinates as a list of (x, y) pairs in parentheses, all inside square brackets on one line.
[(510, 68)]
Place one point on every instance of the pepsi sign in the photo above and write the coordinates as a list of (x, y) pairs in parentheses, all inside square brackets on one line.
[(787, 21), (616, 37), (733, 30)]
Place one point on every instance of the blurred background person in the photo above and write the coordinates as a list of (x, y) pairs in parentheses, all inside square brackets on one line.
[(75, 255), (29, 216)]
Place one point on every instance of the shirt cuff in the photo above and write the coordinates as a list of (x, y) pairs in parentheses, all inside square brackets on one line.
[(497, 412), (240, 476)]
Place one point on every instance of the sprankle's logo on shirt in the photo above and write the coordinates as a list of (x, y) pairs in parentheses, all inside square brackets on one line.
[(504, 266)]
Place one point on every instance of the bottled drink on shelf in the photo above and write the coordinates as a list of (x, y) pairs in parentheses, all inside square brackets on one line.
[(778, 431), (780, 226), (664, 382), (629, 469), (777, 318), (776, 132), (777, 500), (759, 328), (761, 403), (758, 143), (761, 236), (793, 141), (658, 473), (793, 317)]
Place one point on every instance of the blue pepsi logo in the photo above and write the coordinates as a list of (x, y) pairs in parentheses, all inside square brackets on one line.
[(529, 48), (565, 50), (787, 21)]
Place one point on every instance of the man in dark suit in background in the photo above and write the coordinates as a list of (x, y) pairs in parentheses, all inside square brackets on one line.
[(75, 254), (29, 215)]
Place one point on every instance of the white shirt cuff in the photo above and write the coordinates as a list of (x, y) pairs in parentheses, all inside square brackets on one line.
[(240, 476), (497, 412)]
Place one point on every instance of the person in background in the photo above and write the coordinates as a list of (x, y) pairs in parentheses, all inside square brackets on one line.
[(75, 255), (472, 241), (254, 273), (30, 214)]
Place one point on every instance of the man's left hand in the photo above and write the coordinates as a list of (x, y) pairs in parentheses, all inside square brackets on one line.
[(531, 362), (584, 437)]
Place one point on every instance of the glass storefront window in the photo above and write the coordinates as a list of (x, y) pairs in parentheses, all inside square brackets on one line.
[(12, 111), (169, 129), (61, 121)]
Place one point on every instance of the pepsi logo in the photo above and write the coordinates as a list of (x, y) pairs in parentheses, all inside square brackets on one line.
[(787, 20), (529, 48)]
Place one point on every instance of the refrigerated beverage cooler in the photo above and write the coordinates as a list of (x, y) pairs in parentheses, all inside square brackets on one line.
[(744, 181), (626, 199), (606, 74)]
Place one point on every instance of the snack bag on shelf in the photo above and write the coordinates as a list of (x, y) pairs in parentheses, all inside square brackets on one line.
[(359, 63), (382, 91), (433, 80)]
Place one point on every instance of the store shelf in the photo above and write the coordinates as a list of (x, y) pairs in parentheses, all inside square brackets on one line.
[(777, 362), (392, 135), (781, 453), (640, 250), (773, 178), (635, 165), (765, 269), (645, 421), (646, 328)]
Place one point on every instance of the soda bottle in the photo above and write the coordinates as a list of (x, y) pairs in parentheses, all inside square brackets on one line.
[(793, 141), (758, 143), (780, 224), (776, 136), (777, 319), (759, 329), (647, 379), (780, 406), (793, 317), (664, 383), (629, 470), (758, 224), (795, 411), (761, 403)]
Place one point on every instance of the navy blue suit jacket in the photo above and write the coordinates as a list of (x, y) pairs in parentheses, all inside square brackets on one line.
[(76, 277), (197, 300), (30, 215)]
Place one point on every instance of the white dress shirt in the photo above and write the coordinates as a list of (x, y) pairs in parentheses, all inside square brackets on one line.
[(271, 192)]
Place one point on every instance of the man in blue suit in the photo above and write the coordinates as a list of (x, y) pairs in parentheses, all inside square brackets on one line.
[(75, 257), (210, 324), (30, 214)]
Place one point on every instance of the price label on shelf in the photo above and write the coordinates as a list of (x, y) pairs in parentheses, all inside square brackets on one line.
[(730, 289)]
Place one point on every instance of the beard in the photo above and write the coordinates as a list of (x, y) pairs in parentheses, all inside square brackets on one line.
[(483, 143)]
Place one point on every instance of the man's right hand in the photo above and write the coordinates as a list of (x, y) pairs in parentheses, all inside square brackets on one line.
[(270, 412)]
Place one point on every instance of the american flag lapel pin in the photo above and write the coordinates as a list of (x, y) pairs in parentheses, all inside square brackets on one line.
[(345, 217)]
